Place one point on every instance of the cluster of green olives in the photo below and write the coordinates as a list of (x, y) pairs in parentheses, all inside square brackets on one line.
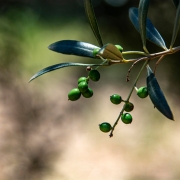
[(125, 117), (83, 88), (128, 107)]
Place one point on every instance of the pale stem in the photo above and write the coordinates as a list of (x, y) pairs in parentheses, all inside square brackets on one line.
[(149, 57)]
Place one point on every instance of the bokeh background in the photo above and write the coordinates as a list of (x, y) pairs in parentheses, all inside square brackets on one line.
[(43, 136)]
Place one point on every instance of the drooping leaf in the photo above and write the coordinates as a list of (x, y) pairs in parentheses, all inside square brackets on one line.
[(156, 95), (152, 33), (73, 47), (142, 16), (59, 66), (110, 51), (176, 2), (176, 26), (92, 20)]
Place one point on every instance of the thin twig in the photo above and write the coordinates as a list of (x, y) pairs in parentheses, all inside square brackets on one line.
[(159, 60), (129, 71)]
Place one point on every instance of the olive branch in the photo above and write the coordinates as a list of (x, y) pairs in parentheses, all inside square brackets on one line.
[(113, 54)]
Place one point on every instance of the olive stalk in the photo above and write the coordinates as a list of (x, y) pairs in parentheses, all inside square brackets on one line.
[(127, 100)]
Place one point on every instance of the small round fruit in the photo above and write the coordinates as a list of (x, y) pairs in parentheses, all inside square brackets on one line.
[(142, 92), (89, 68), (120, 48), (94, 75), (74, 94), (115, 99), (126, 118), (128, 107), (95, 51), (82, 79), (105, 127), (83, 86), (88, 93)]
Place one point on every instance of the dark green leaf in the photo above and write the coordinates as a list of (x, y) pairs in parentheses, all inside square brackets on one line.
[(156, 95), (92, 20), (59, 66), (152, 33), (110, 51), (73, 47), (176, 26), (143, 10), (176, 2)]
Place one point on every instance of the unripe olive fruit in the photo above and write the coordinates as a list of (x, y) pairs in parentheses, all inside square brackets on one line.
[(95, 51), (142, 92), (115, 99), (126, 118), (94, 75), (74, 94), (128, 106), (120, 48), (105, 127), (82, 79), (83, 86), (88, 93)]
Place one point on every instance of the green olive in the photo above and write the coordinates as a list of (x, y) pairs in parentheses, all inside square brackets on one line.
[(126, 118), (120, 48), (105, 127), (94, 75), (128, 106), (74, 94), (95, 51), (82, 79), (142, 92), (115, 99), (88, 93), (83, 86)]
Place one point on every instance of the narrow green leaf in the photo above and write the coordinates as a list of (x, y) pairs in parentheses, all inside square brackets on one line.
[(92, 20), (73, 48), (152, 33), (156, 95), (176, 2), (59, 66), (110, 51), (143, 10), (176, 26)]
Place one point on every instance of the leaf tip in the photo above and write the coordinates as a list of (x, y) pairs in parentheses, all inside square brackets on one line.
[(156, 95), (50, 47), (31, 79)]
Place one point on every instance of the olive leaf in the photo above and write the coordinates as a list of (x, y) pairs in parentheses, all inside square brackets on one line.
[(92, 20), (152, 33), (156, 95), (176, 2), (142, 16), (73, 47), (176, 26), (59, 66), (110, 51)]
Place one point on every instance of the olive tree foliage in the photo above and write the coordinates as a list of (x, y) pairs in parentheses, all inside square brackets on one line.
[(110, 54)]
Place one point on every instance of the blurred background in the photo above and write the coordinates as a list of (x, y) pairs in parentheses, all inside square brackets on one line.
[(43, 136)]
